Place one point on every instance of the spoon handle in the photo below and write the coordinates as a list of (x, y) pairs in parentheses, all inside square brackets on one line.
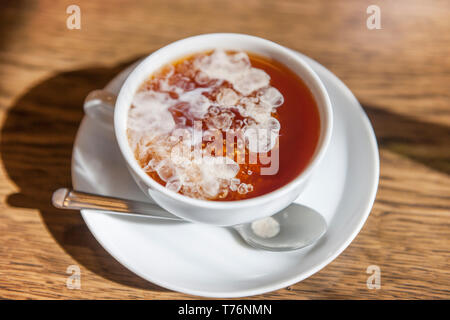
[(64, 198)]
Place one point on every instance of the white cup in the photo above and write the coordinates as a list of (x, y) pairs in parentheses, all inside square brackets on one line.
[(220, 213)]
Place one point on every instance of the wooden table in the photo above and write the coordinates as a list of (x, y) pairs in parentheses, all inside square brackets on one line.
[(400, 74)]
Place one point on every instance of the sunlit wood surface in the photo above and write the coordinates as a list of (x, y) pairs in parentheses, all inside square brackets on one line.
[(400, 74)]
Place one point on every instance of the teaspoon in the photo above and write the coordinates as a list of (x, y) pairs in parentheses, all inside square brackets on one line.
[(292, 228)]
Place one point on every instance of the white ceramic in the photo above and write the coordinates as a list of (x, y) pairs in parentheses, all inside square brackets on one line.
[(220, 213), (209, 261)]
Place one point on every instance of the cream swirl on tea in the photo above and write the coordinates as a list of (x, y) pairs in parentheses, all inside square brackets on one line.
[(211, 125)]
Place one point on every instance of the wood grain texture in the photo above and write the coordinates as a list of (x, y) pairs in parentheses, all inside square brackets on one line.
[(400, 74)]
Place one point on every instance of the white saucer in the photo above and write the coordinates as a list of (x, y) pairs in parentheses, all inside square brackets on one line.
[(211, 261)]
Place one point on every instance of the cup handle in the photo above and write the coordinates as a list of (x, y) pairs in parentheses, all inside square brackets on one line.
[(99, 105)]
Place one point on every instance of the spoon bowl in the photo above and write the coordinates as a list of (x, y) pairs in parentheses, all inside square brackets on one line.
[(298, 226)]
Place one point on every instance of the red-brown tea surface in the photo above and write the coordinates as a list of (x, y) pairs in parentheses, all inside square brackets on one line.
[(298, 117)]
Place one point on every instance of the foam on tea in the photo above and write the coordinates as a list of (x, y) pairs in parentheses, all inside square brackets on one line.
[(205, 126)]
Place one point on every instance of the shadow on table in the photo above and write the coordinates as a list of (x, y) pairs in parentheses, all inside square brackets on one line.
[(427, 143), (36, 146)]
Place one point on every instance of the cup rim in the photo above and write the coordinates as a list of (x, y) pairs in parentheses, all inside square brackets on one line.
[(326, 119)]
